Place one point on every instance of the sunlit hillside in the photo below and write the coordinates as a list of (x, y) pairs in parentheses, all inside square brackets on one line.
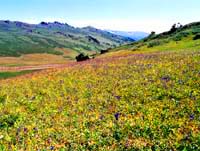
[(146, 99), (179, 37)]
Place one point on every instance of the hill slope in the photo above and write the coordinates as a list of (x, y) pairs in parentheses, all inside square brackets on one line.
[(146, 101), (125, 100), (17, 38), (178, 38)]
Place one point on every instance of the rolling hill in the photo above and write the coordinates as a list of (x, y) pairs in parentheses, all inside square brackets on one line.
[(177, 38), (18, 38)]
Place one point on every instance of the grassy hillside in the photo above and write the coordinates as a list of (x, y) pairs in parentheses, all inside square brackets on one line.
[(146, 99), (143, 101), (180, 38), (17, 38)]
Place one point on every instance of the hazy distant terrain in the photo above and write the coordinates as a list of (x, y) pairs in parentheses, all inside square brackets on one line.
[(136, 35)]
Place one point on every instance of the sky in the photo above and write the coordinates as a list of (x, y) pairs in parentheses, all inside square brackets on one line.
[(123, 15)]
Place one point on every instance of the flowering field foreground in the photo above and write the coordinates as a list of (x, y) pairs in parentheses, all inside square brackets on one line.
[(147, 101)]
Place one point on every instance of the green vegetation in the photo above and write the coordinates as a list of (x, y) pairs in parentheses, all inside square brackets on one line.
[(82, 57), (147, 99), (196, 37), (178, 38), (17, 38), (5, 75)]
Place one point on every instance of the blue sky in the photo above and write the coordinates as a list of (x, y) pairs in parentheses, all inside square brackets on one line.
[(127, 15)]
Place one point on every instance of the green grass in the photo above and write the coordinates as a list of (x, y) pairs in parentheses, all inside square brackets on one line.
[(17, 40), (185, 44), (181, 39), (145, 101), (6, 75)]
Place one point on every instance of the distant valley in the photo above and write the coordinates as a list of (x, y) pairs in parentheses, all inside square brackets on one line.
[(136, 35)]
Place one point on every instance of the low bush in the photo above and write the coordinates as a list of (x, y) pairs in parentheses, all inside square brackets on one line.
[(196, 37), (153, 44), (195, 31), (7, 121), (81, 57), (180, 35), (103, 51)]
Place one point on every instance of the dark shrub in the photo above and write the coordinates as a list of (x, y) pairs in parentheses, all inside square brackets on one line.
[(44, 23), (153, 33), (103, 51), (195, 31), (58, 23), (92, 39), (179, 36), (2, 99), (196, 37), (7, 121), (173, 29), (81, 57), (184, 34), (7, 21)]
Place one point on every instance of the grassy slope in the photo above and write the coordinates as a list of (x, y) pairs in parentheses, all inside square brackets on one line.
[(124, 100), (142, 101), (181, 39), (185, 44)]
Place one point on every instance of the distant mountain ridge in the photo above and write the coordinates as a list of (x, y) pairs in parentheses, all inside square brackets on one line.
[(18, 38), (136, 35)]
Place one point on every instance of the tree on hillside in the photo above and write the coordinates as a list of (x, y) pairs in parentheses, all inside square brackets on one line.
[(152, 33), (175, 27), (81, 57), (179, 25)]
